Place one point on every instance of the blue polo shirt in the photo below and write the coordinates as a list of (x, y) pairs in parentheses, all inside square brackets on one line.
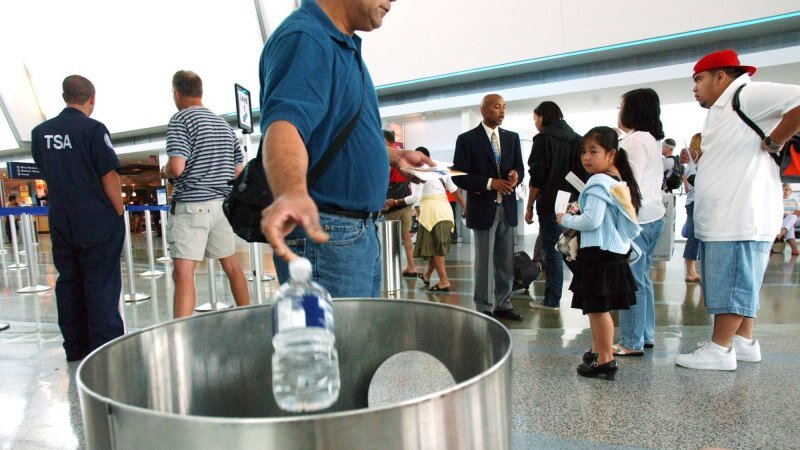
[(309, 74)]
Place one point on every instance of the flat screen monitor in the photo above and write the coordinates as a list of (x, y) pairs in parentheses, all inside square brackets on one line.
[(161, 196), (244, 109)]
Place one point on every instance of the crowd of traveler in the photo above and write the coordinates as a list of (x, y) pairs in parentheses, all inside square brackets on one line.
[(315, 88)]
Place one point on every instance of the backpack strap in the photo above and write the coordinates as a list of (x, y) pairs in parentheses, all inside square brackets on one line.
[(737, 107)]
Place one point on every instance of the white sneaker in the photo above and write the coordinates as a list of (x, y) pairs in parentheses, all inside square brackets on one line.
[(709, 356), (747, 352), (540, 305)]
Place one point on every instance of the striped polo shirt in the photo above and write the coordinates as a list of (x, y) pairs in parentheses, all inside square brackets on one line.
[(211, 150)]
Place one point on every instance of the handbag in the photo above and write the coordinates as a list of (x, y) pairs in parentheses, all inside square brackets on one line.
[(397, 191), (250, 192)]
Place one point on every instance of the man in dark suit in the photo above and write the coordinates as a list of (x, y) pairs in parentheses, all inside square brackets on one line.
[(492, 159)]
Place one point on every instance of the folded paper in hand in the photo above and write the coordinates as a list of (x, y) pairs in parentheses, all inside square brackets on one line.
[(426, 173)]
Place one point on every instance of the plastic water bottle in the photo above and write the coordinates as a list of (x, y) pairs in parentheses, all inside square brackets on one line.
[(305, 364)]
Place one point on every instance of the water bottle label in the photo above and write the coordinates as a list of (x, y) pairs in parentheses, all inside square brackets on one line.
[(284, 317), (315, 316)]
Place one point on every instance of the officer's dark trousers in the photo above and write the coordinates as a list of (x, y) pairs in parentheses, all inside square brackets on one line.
[(89, 284)]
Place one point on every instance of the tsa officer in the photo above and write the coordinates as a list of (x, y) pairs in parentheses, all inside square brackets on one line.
[(75, 155)]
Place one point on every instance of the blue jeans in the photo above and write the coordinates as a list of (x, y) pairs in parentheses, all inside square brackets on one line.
[(348, 264), (692, 249), (732, 275), (553, 266), (637, 325)]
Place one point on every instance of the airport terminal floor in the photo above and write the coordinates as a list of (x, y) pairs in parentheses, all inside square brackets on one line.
[(651, 404)]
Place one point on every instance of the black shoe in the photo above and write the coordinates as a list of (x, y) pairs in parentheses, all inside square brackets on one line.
[(488, 313), (594, 370), (589, 357), (508, 314), (649, 344)]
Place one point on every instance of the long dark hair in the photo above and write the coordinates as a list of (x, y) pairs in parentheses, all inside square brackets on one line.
[(641, 111), (607, 138), (549, 112)]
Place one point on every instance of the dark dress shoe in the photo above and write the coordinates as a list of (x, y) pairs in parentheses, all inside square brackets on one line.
[(649, 344), (589, 357), (508, 314), (594, 370)]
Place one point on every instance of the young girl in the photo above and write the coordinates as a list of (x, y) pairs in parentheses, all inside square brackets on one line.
[(603, 280)]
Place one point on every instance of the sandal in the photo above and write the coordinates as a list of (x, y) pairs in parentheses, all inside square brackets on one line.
[(619, 350), (421, 276), (436, 288)]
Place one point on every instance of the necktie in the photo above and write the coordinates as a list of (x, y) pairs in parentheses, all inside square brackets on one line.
[(496, 149)]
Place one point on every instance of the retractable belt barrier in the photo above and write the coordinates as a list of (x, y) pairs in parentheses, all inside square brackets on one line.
[(149, 232), (132, 295), (12, 213), (33, 273), (212, 305)]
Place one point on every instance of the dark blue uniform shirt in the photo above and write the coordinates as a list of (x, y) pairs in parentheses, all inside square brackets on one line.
[(74, 152), (310, 77)]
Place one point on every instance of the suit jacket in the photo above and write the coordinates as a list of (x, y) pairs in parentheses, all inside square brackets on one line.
[(474, 155)]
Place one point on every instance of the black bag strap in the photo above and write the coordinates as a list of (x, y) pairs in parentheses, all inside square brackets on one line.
[(338, 141), (737, 106)]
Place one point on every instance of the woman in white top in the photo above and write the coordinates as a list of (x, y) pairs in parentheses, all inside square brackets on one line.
[(639, 119), (436, 224), (791, 210)]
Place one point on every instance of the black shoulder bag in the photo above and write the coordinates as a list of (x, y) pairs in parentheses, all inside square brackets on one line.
[(250, 191), (737, 107)]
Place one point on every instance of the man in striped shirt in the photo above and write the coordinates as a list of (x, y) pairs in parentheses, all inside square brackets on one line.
[(204, 153)]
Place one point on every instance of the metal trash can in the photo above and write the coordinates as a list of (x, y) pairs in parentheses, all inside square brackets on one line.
[(389, 234), (177, 386)]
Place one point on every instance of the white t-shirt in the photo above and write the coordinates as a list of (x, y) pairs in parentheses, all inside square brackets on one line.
[(738, 196), (644, 155), (431, 187)]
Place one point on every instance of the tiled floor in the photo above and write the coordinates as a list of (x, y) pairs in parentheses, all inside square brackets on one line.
[(652, 403)]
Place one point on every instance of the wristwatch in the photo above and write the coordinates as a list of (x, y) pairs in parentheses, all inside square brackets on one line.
[(772, 146)]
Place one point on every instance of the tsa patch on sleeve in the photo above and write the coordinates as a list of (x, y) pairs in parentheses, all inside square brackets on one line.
[(108, 141)]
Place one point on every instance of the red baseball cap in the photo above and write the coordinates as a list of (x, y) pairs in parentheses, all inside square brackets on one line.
[(720, 59)]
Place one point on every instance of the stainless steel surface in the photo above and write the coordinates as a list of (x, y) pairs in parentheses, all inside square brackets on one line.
[(12, 226), (132, 295), (391, 247), (151, 259), (33, 273), (175, 386)]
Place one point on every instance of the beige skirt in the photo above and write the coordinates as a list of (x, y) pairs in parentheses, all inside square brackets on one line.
[(435, 242)]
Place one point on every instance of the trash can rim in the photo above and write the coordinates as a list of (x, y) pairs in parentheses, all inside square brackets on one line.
[(306, 417)]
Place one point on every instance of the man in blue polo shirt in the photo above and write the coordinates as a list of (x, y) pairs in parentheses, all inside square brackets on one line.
[(84, 197), (313, 82)]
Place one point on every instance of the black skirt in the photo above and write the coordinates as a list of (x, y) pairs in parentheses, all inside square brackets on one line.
[(602, 281)]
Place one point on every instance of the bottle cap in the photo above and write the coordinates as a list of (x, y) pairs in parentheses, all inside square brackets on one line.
[(300, 269)]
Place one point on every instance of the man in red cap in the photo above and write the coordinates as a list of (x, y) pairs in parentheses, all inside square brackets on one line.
[(738, 206)]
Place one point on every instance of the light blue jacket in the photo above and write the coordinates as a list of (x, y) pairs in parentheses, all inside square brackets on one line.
[(603, 221)]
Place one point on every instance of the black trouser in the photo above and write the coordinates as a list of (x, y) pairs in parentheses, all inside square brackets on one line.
[(88, 287)]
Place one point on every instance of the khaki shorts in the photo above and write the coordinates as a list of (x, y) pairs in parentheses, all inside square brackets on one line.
[(403, 215), (199, 230)]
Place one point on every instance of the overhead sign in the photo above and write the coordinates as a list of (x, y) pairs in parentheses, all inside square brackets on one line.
[(23, 171)]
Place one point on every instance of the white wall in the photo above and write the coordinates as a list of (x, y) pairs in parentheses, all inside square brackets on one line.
[(426, 38)]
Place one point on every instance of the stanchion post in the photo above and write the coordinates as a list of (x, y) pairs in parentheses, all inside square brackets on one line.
[(3, 250), (32, 231), (255, 264), (213, 305), (32, 272), (150, 256), (12, 226), (132, 295), (164, 246)]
